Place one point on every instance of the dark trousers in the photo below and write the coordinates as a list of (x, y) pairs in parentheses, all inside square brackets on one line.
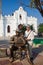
[(12, 49)]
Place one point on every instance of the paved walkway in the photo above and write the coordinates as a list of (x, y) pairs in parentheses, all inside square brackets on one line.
[(37, 53), (37, 61)]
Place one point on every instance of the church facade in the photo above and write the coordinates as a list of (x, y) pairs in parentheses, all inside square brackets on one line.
[(8, 24)]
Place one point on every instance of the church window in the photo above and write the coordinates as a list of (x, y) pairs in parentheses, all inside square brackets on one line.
[(8, 29), (20, 16)]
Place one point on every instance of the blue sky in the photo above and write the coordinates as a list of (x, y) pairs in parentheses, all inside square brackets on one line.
[(9, 6)]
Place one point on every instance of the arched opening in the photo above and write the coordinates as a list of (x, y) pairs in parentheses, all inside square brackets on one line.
[(8, 29), (20, 16)]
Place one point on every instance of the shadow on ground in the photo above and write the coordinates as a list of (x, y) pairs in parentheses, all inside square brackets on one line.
[(36, 51)]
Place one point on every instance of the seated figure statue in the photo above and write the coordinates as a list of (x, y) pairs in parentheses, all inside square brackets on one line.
[(17, 41)]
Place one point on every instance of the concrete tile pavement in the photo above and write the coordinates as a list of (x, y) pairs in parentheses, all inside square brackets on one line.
[(37, 61)]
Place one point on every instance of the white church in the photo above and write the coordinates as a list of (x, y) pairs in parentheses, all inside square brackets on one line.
[(8, 24)]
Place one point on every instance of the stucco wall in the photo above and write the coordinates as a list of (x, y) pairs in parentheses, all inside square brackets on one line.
[(1, 26), (14, 21)]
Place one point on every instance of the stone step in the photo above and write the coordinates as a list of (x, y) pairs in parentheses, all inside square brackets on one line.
[(3, 52)]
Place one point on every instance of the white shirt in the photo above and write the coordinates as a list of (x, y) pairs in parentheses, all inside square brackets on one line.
[(29, 35)]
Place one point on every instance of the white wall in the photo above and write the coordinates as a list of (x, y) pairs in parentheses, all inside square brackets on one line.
[(14, 21), (1, 26)]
